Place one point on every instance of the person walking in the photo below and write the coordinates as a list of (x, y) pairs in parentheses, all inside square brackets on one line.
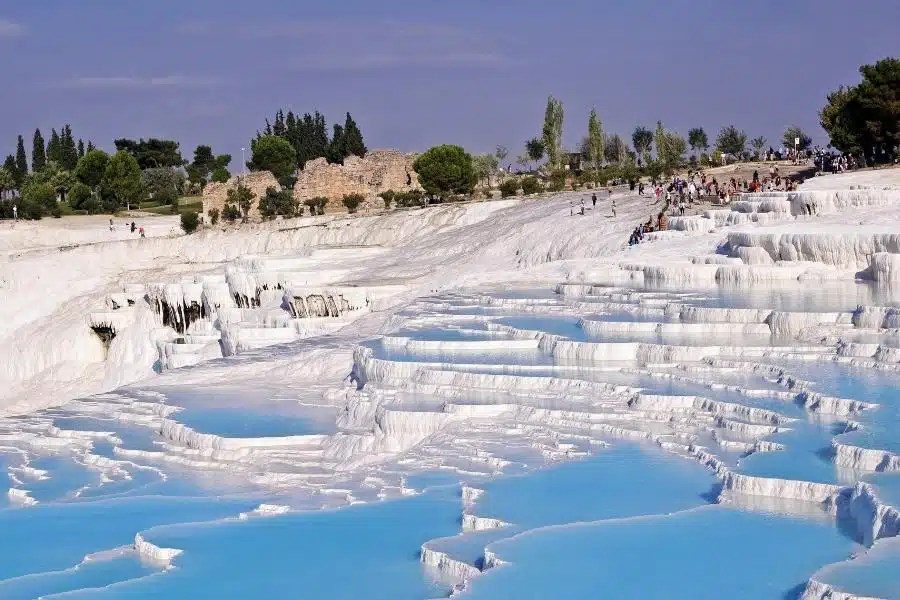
[(614, 207), (141, 230), (582, 207), (15, 213), (594, 200)]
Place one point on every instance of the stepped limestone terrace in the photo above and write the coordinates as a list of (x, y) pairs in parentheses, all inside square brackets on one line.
[(740, 371)]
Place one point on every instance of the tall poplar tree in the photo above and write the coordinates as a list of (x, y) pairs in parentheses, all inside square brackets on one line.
[(552, 132), (595, 139)]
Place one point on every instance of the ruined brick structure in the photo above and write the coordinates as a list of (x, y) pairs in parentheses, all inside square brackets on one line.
[(379, 171), (214, 194)]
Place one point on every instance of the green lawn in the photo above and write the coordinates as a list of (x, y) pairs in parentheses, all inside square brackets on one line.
[(185, 204)]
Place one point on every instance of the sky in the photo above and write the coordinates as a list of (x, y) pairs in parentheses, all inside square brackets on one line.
[(424, 72)]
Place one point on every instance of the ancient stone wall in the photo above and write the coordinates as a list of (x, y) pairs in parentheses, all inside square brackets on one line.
[(214, 194), (378, 171)]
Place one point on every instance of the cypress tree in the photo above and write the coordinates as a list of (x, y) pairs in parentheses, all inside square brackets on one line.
[(337, 148), (319, 136), (279, 128), (353, 139), (305, 133), (54, 148), (80, 148), (21, 160), (90, 147), (38, 156), (68, 151)]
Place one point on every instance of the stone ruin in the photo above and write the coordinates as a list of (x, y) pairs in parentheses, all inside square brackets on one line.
[(377, 172), (215, 194)]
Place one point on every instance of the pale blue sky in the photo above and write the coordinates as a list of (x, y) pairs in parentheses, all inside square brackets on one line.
[(418, 73)]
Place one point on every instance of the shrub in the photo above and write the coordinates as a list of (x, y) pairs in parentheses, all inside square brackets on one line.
[(509, 188), (352, 202), (213, 215), (276, 202), (530, 185), (558, 180), (317, 205), (388, 197), (189, 221), (231, 213)]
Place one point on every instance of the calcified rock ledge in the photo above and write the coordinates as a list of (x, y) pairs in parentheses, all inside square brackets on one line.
[(445, 383)]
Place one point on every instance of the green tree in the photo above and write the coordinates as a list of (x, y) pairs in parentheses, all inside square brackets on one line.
[(220, 175), (122, 181), (21, 161), (484, 165), (7, 181), (213, 215), (54, 147), (534, 150), (866, 118), (552, 132), (792, 134), (91, 168), (642, 139), (274, 154), (353, 138), (732, 141), (80, 148), (615, 149), (444, 170), (241, 197), (163, 185), (698, 139), (68, 151), (79, 195), (90, 147), (337, 147), (10, 165), (189, 221), (595, 139), (758, 143), (152, 153), (38, 155)]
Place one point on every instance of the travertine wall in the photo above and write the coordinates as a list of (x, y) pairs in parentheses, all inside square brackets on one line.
[(379, 171), (214, 194)]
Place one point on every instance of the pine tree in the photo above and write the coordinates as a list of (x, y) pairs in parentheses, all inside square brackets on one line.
[(290, 126), (21, 160), (80, 148), (38, 155), (90, 147), (68, 151), (353, 139), (54, 148)]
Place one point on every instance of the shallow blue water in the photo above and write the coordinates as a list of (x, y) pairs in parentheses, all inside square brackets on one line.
[(359, 552), (275, 420), (53, 537), (711, 552), (872, 574), (623, 480)]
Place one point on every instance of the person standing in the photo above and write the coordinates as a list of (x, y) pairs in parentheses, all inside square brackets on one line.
[(594, 200), (15, 213)]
